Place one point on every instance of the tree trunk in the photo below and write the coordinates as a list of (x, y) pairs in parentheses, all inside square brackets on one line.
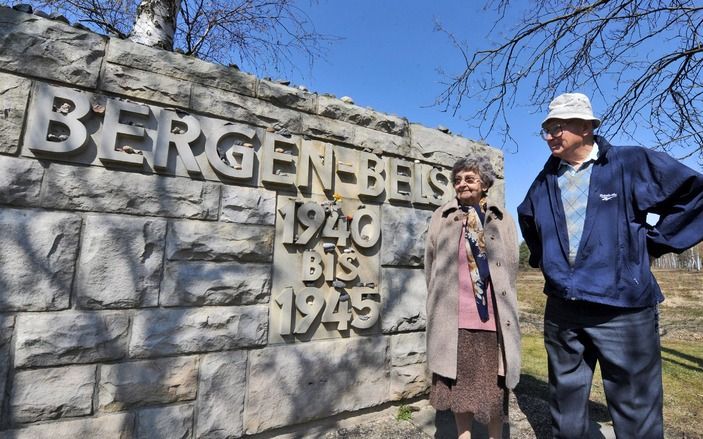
[(156, 23)]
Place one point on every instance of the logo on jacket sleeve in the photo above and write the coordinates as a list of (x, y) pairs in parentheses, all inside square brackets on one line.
[(607, 197)]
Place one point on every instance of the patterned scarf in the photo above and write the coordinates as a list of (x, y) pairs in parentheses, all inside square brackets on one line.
[(478, 261)]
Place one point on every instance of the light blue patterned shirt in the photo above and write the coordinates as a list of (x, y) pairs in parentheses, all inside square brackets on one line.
[(573, 184)]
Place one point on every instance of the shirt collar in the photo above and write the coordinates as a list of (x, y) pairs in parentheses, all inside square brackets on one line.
[(592, 157)]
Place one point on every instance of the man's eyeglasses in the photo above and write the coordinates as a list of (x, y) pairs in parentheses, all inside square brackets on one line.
[(554, 131)]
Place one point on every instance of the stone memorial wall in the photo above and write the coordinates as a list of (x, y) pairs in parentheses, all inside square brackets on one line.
[(190, 251)]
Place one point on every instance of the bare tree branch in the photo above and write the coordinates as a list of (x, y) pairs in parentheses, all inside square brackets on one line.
[(263, 34), (644, 57)]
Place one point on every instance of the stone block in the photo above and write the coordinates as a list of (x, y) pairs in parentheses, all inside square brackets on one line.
[(404, 230), (339, 110), (219, 242), (409, 375), (379, 141), (120, 262), (445, 149), (408, 348), (208, 329), (409, 381), (14, 94), (215, 283), (328, 129), (125, 386), (248, 205), (51, 339), (175, 65), (43, 394), (496, 195), (101, 190), (7, 329), (37, 259), (233, 106), (321, 379), (286, 96), (404, 295), (49, 49), (117, 426), (221, 392), (139, 84), (165, 422), (20, 181)]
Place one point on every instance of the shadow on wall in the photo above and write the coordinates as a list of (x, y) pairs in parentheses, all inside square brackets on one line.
[(94, 292)]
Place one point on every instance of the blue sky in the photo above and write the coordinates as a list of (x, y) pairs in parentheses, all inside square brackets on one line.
[(388, 59)]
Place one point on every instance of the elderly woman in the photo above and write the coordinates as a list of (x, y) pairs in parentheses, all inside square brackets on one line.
[(473, 335)]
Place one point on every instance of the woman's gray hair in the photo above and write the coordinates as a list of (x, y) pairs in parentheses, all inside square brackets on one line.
[(480, 165)]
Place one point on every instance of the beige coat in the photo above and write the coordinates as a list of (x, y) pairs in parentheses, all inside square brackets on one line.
[(441, 273)]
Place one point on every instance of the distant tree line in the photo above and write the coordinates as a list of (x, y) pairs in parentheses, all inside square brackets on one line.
[(690, 260)]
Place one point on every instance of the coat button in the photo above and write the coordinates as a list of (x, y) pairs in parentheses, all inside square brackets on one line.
[(493, 237), (507, 323), (502, 293), (498, 264)]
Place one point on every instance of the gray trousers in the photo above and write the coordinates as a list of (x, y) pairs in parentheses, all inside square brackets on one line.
[(625, 343)]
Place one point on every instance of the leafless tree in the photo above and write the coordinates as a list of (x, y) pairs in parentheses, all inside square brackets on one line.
[(263, 34), (642, 57)]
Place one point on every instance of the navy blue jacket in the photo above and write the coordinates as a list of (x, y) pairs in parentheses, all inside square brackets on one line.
[(612, 264)]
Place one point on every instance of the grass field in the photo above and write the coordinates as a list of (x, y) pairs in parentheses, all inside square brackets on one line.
[(681, 322)]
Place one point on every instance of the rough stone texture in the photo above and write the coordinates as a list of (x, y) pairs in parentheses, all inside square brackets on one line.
[(165, 422), (243, 108), (208, 329), (496, 195), (286, 96), (215, 283), (20, 180), (49, 49), (409, 348), (372, 140), (125, 386), (102, 190), (52, 393), (409, 375), (203, 241), (404, 232), (137, 83), (7, 327), (444, 149), (404, 293), (51, 339), (221, 392), (179, 66), (320, 379), (248, 205), (409, 381), (37, 259), (117, 426), (120, 262), (14, 93), (328, 129), (337, 109)]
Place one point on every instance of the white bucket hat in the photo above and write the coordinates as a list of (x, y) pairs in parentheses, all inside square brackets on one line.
[(571, 106)]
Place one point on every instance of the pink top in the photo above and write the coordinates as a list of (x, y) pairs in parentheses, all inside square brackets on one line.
[(468, 314)]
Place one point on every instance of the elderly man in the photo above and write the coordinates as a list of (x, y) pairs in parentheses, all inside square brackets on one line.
[(583, 220)]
